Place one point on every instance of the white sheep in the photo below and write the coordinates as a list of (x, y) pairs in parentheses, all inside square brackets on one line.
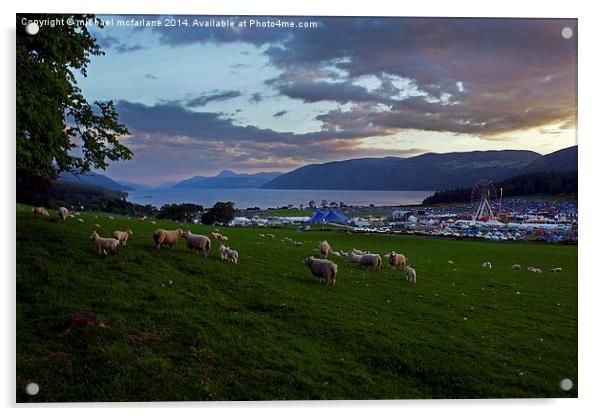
[(336, 253), (533, 269), (104, 243), (270, 235), (63, 213), (353, 258), (516, 267), (397, 260), (169, 237), (222, 252), (322, 269), (261, 235), (197, 242), (110, 217), (556, 269), (297, 243), (486, 265), (410, 274), (325, 249), (359, 252), (40, 211), (80, 220), (123, 236), (370, 260), (216, 235), (232, 255)]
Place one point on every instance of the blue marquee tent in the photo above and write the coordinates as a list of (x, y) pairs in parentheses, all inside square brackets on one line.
[(328, 216)]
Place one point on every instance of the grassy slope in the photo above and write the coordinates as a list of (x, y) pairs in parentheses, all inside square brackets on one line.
[(265, 329)]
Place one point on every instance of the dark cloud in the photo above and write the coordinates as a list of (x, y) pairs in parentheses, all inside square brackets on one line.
[(205, 99), (150, 76), (256, 98), (114, 43), (505, 67), (280, 113)]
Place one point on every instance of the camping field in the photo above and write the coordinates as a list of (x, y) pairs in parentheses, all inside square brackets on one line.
[(183, 327)]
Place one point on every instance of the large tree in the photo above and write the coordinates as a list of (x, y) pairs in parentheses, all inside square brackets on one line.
[(57, 129)]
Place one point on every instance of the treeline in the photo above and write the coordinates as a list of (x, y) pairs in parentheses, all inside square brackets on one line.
[(538, 183)]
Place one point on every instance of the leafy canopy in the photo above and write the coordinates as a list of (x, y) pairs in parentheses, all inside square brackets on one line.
[(57, 129)]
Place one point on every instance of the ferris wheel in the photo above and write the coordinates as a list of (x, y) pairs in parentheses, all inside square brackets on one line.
[(484, 196)]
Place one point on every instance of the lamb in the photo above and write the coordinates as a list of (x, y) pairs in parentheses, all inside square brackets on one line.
[(359, 252), (222, 252), (169, 237), (104, 243), (123, 236), (397, 260), (40, 211), (410, 274), (533, 269), (371, 260), (197, 242), (556, 270), (516, 267), (322, 269), (325, 249), (486, 265), (223, 238), (63, 213), (232, 255), (336, 253)]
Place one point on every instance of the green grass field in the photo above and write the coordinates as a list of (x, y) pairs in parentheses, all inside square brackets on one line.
[(182, 327)]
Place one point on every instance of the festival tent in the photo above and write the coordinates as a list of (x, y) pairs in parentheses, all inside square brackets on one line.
[(335, 216), (317, 217)]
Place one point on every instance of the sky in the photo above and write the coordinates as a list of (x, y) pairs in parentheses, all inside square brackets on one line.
[(199, 99)]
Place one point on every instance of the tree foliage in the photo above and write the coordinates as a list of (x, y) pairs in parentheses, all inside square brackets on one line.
[(221, 213), (180, 212), (57, 129)]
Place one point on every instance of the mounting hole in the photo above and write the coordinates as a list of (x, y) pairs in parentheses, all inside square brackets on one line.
[(32, 389), (566, 32), (566, 384), (32, 28)]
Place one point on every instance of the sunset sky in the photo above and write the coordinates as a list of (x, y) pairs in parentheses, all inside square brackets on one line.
[(199, 100)]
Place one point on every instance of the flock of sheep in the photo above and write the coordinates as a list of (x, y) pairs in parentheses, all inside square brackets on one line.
[(326, 269), (322, 268)]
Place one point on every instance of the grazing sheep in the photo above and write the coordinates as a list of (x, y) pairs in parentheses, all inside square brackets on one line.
[(336, 253), (123, 236), (222, 252), (197, 242), (71, 216), (325, 249), (153, 222), (359, 252), (97, 225), (215, 235), (297, 243), (322, 269), (370, 260), (556, 270), (516, 267), (223, 238), (261, 235), (533, 269), (63, 213), (397, 260), (80, 219), (110, 217), (169, 237), (104, 243), (40, 211), (486, 265), (287, 239), (344, 253), (353, 258), (410, 274), (270, 235), (232, 255)]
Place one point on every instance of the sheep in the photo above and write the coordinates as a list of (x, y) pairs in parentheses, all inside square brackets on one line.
[(486, 265), (110, 217), (223, 238), (63, 213), (344, 253), (410, 274), (222, 252), (297, 243), (71, 216), (270, 235), (104, 243), (359, 252), (197, 242), (123, 236), (370, 260), (322, 269), (325, 249), (97, 225), (533, 269), (154, 222), (336, 253), (397, 260), (169, 237), (232, 255), (516, 267), (556, 270), (80, 220), (40, 211), (353, 258), (261, 235)]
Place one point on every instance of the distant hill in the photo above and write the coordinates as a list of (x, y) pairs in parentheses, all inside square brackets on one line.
[(94, 179), (551, 183), (228, 179), (562, 160), (423, 172)]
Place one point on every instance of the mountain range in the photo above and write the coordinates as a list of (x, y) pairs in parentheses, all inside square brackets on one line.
[(429, 171)]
